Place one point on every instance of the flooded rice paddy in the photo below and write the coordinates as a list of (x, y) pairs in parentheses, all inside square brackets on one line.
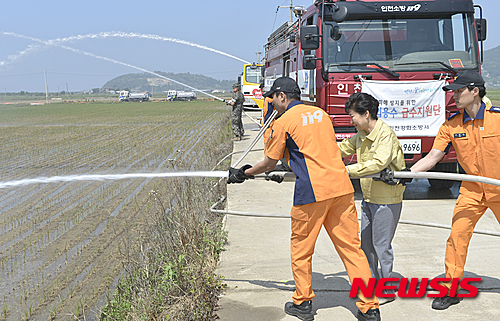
[(59, 242)]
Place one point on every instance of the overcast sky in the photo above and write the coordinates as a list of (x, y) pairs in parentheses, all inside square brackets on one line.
[(238, 29)]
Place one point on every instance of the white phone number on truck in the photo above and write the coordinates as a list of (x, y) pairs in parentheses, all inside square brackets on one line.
[(411, 146)]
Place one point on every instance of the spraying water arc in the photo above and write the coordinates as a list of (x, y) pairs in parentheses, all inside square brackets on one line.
[(113, 61), (103, 35), (289, 177), (100, 177), (119, 34)]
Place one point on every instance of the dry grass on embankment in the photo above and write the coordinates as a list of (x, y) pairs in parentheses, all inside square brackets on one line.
[(64, 245), (173, 277)]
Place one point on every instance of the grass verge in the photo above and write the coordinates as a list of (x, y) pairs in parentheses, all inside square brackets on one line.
[(170, 262)]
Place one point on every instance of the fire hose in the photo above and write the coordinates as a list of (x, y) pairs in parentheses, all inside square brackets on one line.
[(259, 135), (391, 176), (251, 118), (394, 175)]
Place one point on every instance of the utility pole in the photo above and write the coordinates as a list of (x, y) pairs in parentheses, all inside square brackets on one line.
[(258, 56), (291, 10), (46, 87), (67, 94)]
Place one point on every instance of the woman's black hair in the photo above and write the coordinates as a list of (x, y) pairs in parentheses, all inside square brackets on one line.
[(361, 103)]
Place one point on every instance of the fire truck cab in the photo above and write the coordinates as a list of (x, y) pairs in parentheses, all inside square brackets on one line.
[(337, 48)]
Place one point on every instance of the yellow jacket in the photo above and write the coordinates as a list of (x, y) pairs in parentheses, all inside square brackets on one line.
[(378, 150)]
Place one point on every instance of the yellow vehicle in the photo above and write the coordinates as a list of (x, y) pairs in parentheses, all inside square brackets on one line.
[(250, 80)]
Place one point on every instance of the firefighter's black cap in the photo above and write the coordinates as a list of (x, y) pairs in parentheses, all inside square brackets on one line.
[(284, 84), (466, 78)]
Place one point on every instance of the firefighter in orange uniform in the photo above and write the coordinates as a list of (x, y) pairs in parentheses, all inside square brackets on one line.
[(474, 132), (323, 195), (268, 109)]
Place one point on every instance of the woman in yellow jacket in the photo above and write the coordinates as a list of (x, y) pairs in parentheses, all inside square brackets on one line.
[(376, 147)]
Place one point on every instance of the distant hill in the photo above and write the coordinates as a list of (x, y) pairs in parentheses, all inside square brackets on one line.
[(491, 67), (145, 81)]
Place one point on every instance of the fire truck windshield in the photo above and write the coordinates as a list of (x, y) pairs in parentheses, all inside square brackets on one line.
[(400, 45), (253, 74)]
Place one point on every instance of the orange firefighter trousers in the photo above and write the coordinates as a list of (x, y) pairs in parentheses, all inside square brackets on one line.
[(339, 217), (466, 214)]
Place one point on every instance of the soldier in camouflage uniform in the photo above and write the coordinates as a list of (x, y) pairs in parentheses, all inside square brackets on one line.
[(237, 103)]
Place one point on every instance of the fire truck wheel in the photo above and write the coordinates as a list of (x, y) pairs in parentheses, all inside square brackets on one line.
[(442, 183)]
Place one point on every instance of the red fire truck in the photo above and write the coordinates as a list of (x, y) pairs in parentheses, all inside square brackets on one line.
[(336, 48)]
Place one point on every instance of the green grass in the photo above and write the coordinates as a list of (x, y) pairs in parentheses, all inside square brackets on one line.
[(96, 113), (494, 96)]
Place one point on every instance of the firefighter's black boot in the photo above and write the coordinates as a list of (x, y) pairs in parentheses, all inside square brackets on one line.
[(302, 311), (370, 315), (444, 302)]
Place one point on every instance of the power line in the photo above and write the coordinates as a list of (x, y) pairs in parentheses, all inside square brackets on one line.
[(56, 73), (276, 15), (23, 74), (79, 74), (219, 71)]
